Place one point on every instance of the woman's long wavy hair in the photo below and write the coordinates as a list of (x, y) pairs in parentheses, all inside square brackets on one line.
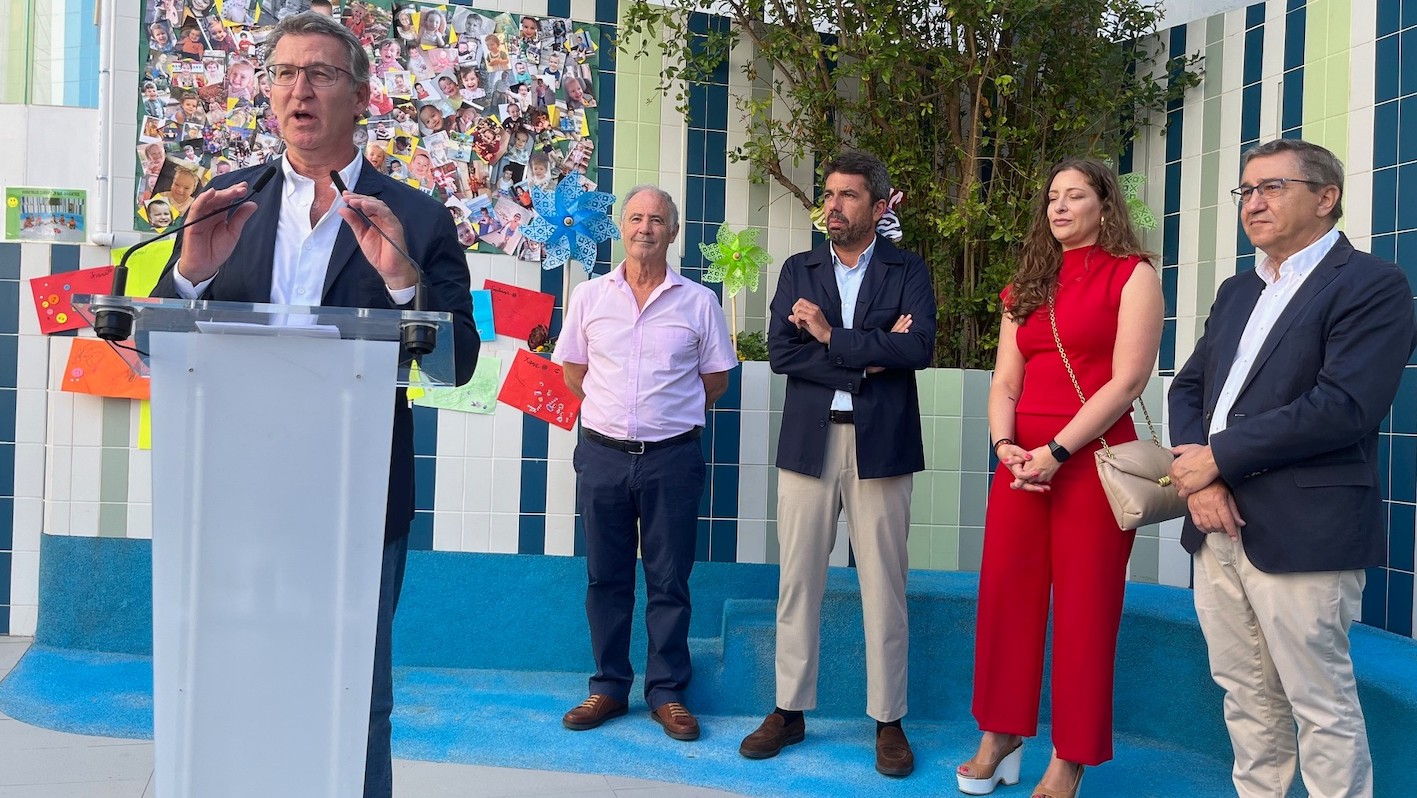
[(1042, 255)]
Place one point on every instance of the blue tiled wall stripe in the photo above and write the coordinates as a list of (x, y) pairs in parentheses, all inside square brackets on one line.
[(9, 305), (1389, 17), (607, 16), (1251, 101), (1171, 209), (1291, 115), (1395, 112), (531, 526), (425, 474), (63, 258), (5, 592), (1375, 598), (10, 308), (7, 532), (1399, 602), (705, 187), (9, 261), (1387, 599)]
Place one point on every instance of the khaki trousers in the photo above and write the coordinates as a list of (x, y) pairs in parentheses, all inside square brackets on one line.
[(878, 520), (1279, 648)]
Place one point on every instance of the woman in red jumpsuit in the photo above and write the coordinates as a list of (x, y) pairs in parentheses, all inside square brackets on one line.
[(1048, 530)]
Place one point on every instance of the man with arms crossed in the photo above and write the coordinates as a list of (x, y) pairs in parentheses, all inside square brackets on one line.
[(851, 322), (649, 353), (300, 242), (1275, 419)]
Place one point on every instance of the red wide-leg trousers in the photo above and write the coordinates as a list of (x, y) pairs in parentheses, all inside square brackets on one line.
[(1066, 540)]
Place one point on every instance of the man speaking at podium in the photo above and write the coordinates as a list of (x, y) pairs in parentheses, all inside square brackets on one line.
[(301, 242)]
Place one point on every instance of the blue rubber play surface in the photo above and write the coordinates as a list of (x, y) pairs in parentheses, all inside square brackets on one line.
[(491, 650), (513, 719)]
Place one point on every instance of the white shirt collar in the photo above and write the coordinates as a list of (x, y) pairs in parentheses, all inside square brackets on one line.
[(671, 276), (1301, 262), (294, 181), (863, 260)]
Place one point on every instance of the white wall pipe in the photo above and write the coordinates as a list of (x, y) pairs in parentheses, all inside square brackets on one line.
[(102, 211)]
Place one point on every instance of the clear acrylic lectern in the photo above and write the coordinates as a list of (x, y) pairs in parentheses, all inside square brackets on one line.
[(271, 435)]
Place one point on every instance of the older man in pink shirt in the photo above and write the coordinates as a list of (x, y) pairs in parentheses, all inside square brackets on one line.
[(649, 353)]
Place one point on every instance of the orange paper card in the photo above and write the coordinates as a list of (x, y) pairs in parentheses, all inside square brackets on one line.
[(517, 311), (535, 387), (53, 293), (94, 368)]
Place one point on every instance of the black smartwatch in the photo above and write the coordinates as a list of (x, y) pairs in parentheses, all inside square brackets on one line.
[(1059, 453)]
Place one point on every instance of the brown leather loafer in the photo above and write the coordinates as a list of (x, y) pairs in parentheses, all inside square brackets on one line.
[(592, 712), (677, 721), (774, 733), (893, 754)]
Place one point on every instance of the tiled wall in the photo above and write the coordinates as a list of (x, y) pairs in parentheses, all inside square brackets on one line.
[(504, 483)]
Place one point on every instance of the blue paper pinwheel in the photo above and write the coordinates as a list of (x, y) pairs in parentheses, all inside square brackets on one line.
[(570, 221)]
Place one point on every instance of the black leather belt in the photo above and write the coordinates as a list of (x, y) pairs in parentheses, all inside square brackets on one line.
[(843, 417), (639, 447)]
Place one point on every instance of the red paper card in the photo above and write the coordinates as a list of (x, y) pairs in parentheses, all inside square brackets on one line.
[(53, 293), (536, 387), (517, 311), (94, 368)]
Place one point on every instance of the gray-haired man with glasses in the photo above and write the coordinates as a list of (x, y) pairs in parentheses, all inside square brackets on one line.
[(302, 242), (1276, 418)]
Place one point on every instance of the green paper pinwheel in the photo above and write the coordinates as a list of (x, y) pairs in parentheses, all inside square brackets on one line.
[(735, 260), (1142, 217)]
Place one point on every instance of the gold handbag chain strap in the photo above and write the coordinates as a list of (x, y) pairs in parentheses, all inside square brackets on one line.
[(1057, 339)]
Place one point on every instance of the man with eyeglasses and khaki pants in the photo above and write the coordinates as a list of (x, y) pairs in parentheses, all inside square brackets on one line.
[(302, 242), (1275, 419)]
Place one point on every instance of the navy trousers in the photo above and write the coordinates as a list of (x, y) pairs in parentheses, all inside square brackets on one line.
[(648, 502), (378, 762)]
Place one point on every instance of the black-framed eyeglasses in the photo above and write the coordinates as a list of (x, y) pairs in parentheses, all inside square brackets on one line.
[(1269, 189), (320, 75)]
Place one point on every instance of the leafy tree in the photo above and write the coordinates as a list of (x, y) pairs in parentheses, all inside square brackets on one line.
[(968, 101)]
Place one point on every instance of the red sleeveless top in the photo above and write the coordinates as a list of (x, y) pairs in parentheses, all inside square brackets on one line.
[(1088, 298)]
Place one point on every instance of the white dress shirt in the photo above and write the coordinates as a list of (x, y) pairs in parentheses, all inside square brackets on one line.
[(848, 284), (302, 252), (1279, 290)]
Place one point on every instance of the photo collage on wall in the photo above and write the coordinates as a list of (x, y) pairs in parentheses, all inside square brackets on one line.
[(472, 107)]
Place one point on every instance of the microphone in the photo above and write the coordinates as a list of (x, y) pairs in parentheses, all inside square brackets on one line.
[(116, 324), (418, 337)]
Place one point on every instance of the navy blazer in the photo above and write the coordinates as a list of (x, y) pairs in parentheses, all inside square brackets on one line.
[(352, 282), (1299, 451), (886, 404)]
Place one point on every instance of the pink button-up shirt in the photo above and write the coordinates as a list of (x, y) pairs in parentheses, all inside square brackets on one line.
[(643, 365)]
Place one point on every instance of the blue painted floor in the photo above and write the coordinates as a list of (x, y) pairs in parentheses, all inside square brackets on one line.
[(513, 720)]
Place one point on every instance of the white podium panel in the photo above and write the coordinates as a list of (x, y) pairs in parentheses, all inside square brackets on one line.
[(270, 480)]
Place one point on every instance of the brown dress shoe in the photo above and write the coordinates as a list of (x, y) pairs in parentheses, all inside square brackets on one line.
[(771, 736), (677, 721), (592, 712), (893, 754)]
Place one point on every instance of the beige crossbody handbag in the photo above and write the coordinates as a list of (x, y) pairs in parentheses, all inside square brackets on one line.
[(1134, 475)]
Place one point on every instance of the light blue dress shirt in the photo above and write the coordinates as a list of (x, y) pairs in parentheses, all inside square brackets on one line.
[(848, 284)]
